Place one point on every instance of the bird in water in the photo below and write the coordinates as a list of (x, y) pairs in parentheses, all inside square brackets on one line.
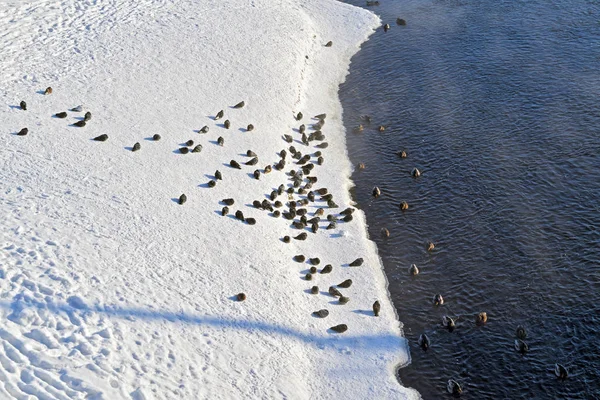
[(521, 332), (376, 192), (448, 323), (438, 300), (424, 341), (481, 318), (560, 371), (413, 270), (521, 346), (454, 388)]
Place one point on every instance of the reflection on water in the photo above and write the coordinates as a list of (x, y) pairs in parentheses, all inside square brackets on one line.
[(498, 105)]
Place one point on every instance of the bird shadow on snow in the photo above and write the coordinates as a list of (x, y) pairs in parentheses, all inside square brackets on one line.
[(364, 312), (78, 306), (13, 107)]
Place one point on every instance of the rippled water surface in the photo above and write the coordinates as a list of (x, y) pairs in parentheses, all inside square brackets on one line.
[(498, 104)]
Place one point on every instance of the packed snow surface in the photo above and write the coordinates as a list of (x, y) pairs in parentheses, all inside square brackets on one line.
[(109, 287)]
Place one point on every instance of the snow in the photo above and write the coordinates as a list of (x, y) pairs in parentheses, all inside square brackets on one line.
[(109, 288)]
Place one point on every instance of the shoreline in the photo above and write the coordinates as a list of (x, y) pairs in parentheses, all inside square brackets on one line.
[(115, 253)]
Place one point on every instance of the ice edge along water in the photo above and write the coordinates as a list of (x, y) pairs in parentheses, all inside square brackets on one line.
[(112, 290)]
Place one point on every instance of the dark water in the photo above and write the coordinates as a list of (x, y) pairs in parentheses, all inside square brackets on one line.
[(498, 104)]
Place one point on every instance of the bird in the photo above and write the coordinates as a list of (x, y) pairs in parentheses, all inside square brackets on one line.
[(376, 308), (415, 173), (448, 323), (438, 300), (239, 105), (481, 318), (521, 332), (23, 105), (386, 27), (424, 341), (560, 371), (413, 270), (521, 346), (376, 192), (454, 388)]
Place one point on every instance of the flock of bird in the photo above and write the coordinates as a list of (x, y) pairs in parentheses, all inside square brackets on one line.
[(448, 322), (289, 201)]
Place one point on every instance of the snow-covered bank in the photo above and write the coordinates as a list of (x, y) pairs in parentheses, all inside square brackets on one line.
[(111, 288)]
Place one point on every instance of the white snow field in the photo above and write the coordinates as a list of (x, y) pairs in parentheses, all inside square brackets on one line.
[(109, 288)]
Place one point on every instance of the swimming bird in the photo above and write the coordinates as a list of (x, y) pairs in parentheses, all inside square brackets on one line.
[(448, 323), (430, 246), (404, 206), (521, 346), (376, 192), (438, 300), (424, 341), (400, 21), (481, 318), (560, 371), (415, 173), (521, 332), (413, 270), (385, 232), (454, 388), (386, 27)]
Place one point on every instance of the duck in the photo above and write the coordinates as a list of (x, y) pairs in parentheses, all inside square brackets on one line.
[(415, 173), (448, 323), (424, 341), (376, 192), (481, 318), (438, 300), (413, 270), (454, 387), (521, 346), (560, 371), (521, 332)]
